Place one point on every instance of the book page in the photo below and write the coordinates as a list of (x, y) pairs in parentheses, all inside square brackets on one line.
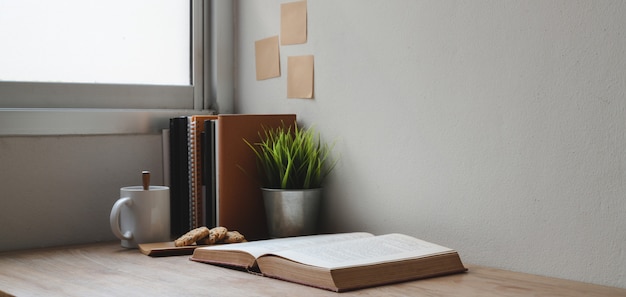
[(363, 251), (258, 248)]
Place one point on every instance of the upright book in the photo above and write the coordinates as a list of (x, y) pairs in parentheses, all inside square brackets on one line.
[(337, 262), (199, 215), (208, 173), (179, 176), (238, 193)]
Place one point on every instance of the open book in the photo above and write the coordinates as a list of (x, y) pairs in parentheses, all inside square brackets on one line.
[(337, 262)]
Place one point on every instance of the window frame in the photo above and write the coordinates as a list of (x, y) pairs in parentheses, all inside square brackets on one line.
[(33, 108)]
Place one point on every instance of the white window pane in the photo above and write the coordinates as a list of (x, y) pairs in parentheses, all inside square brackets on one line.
[(95, 41)]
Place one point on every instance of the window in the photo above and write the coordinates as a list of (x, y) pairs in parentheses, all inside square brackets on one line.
[(86, 41), (111, 66)]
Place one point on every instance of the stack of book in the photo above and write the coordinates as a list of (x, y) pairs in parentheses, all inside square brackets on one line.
[(213, 172)]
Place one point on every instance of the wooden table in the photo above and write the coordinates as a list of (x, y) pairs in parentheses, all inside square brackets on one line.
[(107, 269)]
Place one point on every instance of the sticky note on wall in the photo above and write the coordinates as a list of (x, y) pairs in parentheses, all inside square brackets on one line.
[(300, 77), (267, 55), (293, 23)]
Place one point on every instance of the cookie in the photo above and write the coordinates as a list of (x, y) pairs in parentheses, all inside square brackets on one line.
[(233, 237), (192, 236), (219, 232), (205, 241), (215, 235)]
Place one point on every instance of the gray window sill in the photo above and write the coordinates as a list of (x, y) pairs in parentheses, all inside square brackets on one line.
[(58, 121)]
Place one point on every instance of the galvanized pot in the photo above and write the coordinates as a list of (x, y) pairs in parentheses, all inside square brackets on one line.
[(291, 212)]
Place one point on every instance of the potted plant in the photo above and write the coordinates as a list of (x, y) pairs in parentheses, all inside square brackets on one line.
[(292, 163)]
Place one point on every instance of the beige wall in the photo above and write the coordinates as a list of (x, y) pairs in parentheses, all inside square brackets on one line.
[(60, 190), (493, 127)]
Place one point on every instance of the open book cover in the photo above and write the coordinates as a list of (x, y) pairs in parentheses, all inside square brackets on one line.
[(337, 262)]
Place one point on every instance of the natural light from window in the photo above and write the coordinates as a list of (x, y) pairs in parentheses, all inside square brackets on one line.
[(95, 41)]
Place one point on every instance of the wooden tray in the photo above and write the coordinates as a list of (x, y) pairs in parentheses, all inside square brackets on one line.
[(162, 249)]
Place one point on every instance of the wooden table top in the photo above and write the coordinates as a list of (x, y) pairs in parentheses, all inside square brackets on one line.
[(106, 269)]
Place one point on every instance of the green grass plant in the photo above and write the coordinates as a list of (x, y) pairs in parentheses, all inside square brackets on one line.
[(290, 157)]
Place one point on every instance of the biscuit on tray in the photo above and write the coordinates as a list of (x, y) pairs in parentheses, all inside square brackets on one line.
[(192, 236)]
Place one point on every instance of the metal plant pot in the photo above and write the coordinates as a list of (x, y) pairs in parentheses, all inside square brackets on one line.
[(291, 212)]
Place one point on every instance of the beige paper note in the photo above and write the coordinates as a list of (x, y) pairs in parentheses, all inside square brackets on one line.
[(300, 77), (293, 29), (267, 58)]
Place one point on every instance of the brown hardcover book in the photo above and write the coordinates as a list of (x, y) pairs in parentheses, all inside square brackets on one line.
[(337, 262), (239, 199)]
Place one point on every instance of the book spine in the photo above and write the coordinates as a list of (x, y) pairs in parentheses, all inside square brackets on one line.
[(192, 173), (204, 211), (208, 172), (216, 173), (179, 179)]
